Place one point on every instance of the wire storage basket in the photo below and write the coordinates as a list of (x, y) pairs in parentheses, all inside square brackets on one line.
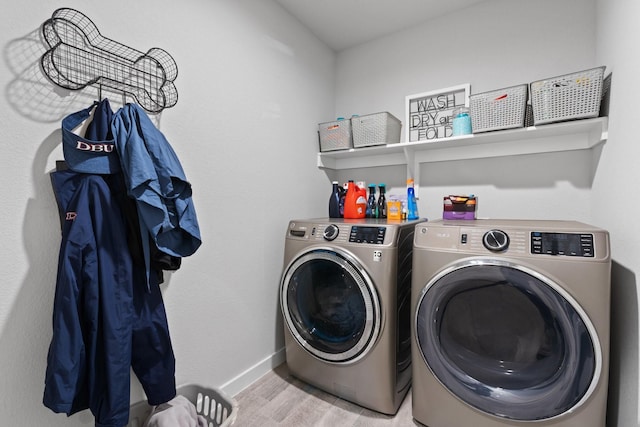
[(335, 135), (375, 129), (218, 409), (567, 97), (498, 109)]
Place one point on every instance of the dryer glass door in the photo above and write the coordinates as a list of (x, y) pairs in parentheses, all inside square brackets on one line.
[(507, 340), (330, 305)]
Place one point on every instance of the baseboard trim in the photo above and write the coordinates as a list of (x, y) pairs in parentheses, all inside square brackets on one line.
[(248, 377)]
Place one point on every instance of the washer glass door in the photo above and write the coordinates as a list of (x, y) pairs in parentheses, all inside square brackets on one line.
[(507, 340), (330, 305)]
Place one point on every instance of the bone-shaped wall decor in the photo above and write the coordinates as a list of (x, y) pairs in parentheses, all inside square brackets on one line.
[(79, 56)]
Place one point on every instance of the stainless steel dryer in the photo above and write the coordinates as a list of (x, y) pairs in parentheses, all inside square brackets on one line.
[(345, 298), (510, 323)]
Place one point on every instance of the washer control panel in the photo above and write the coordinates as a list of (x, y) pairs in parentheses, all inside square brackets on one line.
[(568, 244), (367, 234), (340, 233)]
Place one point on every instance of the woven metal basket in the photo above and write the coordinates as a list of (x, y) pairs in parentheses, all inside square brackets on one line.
[(498, 109), (375, 129), (567, 97), (218, 409)]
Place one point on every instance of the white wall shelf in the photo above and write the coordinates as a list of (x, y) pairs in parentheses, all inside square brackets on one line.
[(565, 136)]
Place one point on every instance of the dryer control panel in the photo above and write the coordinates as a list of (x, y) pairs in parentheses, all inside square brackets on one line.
[(569, 240), (569, 244)]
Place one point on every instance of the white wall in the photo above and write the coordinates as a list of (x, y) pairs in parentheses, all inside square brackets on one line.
[(494, 44), (252, 86), (617, 174)]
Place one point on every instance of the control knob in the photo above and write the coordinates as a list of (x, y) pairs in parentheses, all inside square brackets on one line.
[(331, 232), (495, 240)]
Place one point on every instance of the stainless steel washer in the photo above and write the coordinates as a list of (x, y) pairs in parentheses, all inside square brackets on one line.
[(510, 323), (345, 299)]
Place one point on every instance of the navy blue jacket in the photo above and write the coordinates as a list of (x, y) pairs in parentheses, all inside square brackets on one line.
[(108, 314), (105, 319), (91, 345)]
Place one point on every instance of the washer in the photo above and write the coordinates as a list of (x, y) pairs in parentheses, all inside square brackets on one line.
[(345, 299), (510, 323)]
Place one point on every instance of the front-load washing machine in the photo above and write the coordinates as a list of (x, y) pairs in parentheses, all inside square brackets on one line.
[(345, 299), (510, 323)]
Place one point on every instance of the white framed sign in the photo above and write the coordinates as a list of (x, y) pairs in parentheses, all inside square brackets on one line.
[(428, 114)]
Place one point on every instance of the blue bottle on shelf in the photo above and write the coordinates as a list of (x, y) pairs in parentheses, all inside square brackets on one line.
[(412, 204), (343, 195), (372, 207), (382, 202), (334, 201)]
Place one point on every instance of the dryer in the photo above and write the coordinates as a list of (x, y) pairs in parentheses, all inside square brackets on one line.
[(345, 300), (510, 323)]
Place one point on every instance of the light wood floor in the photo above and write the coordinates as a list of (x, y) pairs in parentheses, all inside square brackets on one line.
[(279, 399)]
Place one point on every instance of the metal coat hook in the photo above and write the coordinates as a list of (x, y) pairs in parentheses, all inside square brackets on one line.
[(79, 56)]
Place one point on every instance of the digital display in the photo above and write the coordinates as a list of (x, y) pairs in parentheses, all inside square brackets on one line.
[(367, 235), (568, 244)]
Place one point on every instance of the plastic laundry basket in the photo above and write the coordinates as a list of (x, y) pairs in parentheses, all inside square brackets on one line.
[(567, 97), (499, 109), (218, 409), (375, 129)]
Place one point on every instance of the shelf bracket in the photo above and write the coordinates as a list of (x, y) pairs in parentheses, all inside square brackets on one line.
[(413, 167)]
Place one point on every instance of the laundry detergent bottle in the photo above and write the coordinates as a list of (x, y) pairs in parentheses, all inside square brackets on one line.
[(382, 202), (412, 204), (371, 202), (334, 201), (355, 202)]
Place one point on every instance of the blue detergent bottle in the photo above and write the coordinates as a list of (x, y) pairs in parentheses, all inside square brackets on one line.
[(372, 206), (343, 194), (412, 204), (382, 202), (334, 201)]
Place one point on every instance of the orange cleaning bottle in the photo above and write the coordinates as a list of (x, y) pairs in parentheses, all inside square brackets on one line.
[(355, 202)]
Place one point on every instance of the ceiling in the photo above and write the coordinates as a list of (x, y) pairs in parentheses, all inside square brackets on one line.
[(345, 23)]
